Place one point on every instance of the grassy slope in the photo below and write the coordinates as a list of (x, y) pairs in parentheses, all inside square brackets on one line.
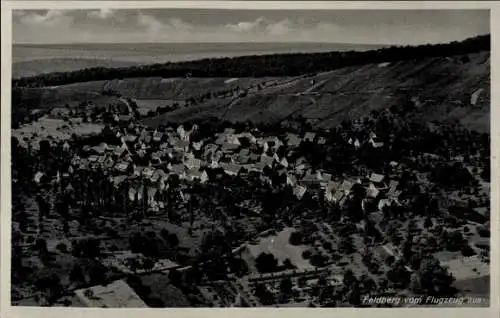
[(439, 83)]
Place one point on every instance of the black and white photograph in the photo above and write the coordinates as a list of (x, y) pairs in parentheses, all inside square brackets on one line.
[(208, 157)]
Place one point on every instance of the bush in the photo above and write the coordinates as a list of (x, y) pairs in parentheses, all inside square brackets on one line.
[(61, 247), (295, 238), (483, 232), (306, 254), (467, 250)]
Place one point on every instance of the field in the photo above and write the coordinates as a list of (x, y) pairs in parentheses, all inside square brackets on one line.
[(279, 246), (147, 105), (57, 128)]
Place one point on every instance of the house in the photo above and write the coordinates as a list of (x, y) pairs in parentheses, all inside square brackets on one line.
[(181, 132), (157, 136), (145, 137), (375, 143), (247, 135), (108, 163), (177, 169), (346, 186), (394, 164), (383, 203), (231, 169), (229, 147), (196, 174), (181, 145), (387, 250), (229, 131), (309, 136), (482, 211), (233, 140), (243, 156), (192, 163), (38, 177), (393, 190), (357, 144), (117, 294), (291, 180), (325, 179), (372, 191), (213, 165), (293, 140), (321, 140), (120, 150), (93, 158), (267, 161), (276, 157), (330, 191), (254, 157), (197, 145), (159, 174), (151, 193), (299, 191), (376, 178), (220, 140), (101, 148), (312, 178), (272, 143), (66, 146), (256, 167), (284, 162)]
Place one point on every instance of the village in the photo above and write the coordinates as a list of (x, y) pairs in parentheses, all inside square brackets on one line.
[(236, 216)]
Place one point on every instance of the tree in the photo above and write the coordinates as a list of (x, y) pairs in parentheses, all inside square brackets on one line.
[(87, 248), (266, 263), (454, 241), (238, 266), (173, 240), (467, 250), (50, 286), (41, 246), (286, 286), (295, 238), (97, 274), (265, 296), (428, 223), (318, 260), (175, 277), (76, 274), (349, 278), (306, 254), (434, 280), (61, 247), (148, 264)]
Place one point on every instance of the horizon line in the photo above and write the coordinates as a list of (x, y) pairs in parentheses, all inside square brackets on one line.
[(257, 42)]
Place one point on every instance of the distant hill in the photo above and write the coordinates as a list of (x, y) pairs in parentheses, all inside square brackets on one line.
[(293, 64), (44, 66), (37, 59)]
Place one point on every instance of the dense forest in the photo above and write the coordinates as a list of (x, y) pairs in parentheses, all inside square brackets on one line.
[(260, 66)]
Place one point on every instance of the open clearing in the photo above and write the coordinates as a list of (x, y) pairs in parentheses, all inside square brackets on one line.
[(279, 246)]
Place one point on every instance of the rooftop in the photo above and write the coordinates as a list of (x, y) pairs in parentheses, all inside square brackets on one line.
[(118, 294)]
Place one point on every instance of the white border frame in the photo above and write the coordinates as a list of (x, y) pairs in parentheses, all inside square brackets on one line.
[(5, 225)]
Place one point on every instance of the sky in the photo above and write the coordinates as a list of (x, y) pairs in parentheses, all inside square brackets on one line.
[(394, 27)]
